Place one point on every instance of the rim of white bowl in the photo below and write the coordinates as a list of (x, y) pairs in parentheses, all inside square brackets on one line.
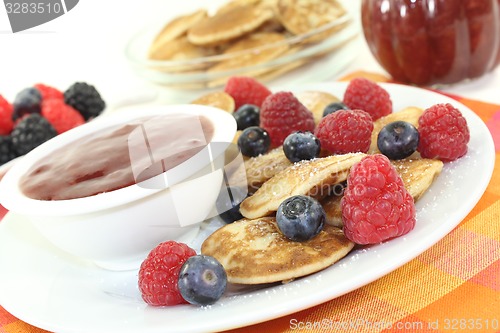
[(13, 199)]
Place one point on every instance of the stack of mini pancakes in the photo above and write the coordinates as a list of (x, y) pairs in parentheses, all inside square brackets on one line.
[(247, 34), (253, 250)]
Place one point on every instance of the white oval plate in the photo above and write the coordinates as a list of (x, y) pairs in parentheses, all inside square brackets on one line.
[(52, 290)]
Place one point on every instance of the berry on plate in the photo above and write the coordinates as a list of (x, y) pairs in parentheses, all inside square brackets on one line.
[(333, 107), (85, 98), (254, 141), (159, 273), (398, 140), (30, 132), (202, 280), (247, 115), (228, 203), (282, 114), (60, 115), (6, 123), (368, 96), (246, 90), (300, 146), (300, 217), (376, 206), (444, 133), (345, 131)]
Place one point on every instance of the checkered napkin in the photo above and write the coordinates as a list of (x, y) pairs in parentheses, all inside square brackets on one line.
[(452, 287)]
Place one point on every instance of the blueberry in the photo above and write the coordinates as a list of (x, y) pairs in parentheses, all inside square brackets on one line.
[(300, 217), (398, 140), (228, 203), (254, 141), (300, 146), (246, 116), (27, 101), (332, 107), (202, 280)]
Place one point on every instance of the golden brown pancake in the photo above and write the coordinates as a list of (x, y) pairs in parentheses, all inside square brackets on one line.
[(302, 16), (218, 99), (249, 52), (314, 178), (417, 175), (259, 169), (316, 102), (229, 24), (173, 30), (255, 251)]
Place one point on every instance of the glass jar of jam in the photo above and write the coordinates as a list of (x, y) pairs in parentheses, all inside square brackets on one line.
[(432, 42)]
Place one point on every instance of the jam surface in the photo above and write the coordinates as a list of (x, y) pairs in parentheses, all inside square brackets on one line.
[(117, 157), (433, 41)]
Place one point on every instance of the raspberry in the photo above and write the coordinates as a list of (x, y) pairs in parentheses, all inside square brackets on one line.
[(345, 131), (48, 92), (60, 115), (444, 133), (368, 96), (246, 90), (376, 206), (85, 98), (159, 273), (282, 114), (6, 123)]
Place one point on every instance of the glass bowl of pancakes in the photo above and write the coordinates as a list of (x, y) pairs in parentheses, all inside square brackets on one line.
[(265, 39)]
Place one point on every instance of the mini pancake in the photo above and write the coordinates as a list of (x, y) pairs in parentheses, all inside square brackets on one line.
[(257, 170), (218, 99), (316, 102), (417, 175), (314, 178), (302, 16), (255, 251), (180, 49), (409, 114), (229, 24), (172, 30), (255, 49)]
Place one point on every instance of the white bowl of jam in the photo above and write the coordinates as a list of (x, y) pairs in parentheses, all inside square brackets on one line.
[(112, 189)]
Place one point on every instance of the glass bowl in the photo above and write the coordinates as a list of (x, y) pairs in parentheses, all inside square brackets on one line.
[(322, 56)]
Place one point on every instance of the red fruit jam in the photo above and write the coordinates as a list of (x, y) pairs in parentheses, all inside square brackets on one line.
[(428, 42), (117, 157)]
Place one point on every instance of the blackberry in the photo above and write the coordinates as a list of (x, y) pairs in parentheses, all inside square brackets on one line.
[(30, 132), (85, 98), (7, 152), (27, 101)]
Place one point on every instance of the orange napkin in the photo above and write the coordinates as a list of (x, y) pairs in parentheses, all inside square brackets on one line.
[(452, 287)]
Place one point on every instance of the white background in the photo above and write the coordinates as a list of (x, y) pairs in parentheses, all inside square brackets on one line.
[(87, 44)]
